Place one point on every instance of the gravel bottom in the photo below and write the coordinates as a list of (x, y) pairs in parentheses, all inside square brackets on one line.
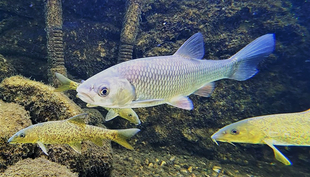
[(153, 163), (139, 163)]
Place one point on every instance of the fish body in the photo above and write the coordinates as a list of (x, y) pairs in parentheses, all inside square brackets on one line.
[(126, 113), (170, 79), (291, 129), (72, 132)]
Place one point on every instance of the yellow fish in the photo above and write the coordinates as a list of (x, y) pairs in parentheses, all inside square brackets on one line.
[(71, 131), (291, 129), (126, 113)]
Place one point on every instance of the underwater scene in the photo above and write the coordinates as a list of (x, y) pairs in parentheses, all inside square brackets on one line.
[(163, 88)]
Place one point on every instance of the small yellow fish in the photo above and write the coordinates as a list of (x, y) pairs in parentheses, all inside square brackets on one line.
[(126, 113), (290, 129), (71, 131)]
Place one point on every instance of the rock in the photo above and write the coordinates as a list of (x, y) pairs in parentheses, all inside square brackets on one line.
[(93, 161), (163, 163), (38, 167), (13, 118), (39, 99)]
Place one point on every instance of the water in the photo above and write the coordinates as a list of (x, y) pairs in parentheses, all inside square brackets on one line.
[(172, 142)]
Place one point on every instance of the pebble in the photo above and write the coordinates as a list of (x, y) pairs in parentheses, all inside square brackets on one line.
[(184, 171), (190, 169), (163, 163), (177, 167), (151, 164), (217, 168), (146, 161), (172, 159)]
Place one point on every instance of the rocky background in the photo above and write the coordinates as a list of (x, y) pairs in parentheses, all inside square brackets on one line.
[(91, 39)]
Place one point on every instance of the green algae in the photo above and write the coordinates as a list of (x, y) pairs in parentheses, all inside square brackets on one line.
[(38, 167)]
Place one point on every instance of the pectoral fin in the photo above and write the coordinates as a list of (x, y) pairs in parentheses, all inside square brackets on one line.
[(42, 146), (182, 102), (278, 155), (205, 90), (77, 146)]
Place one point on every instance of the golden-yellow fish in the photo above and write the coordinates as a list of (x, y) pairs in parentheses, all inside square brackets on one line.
[(292, 129), (71, 131)]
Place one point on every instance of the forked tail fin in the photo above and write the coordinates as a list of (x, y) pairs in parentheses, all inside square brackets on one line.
[(247, 59), (122, 136)]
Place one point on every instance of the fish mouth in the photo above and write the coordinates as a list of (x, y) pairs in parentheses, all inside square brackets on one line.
[(214, 137), (10, 141), (84, 97)]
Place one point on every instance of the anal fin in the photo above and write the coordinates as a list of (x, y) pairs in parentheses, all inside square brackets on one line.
[(205, 90)]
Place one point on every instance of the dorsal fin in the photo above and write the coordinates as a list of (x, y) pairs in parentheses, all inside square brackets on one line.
[(193, 48), (78, 119)]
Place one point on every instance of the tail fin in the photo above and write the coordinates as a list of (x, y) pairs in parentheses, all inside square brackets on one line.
[(67, 84), (247, 59), (123, 135)]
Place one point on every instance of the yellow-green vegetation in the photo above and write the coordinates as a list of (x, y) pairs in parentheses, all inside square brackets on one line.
[(13, 117), (39, 99), (38, 167)]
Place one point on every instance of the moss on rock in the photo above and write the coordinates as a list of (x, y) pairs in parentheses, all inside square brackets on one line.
[(38, 167), (39, 99), (13, 117)]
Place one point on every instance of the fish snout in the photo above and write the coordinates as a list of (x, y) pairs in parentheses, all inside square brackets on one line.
[(214, 138), (10, 141)]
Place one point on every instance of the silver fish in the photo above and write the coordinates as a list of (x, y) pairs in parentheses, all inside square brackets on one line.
[(170, 79), (126, 113)]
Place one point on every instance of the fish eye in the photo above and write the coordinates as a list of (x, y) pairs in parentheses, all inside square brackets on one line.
[(130, 115), (22, 135), (103, 91), (234, 132)]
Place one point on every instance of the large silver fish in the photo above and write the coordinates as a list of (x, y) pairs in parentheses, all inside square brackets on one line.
[(170, 79)]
